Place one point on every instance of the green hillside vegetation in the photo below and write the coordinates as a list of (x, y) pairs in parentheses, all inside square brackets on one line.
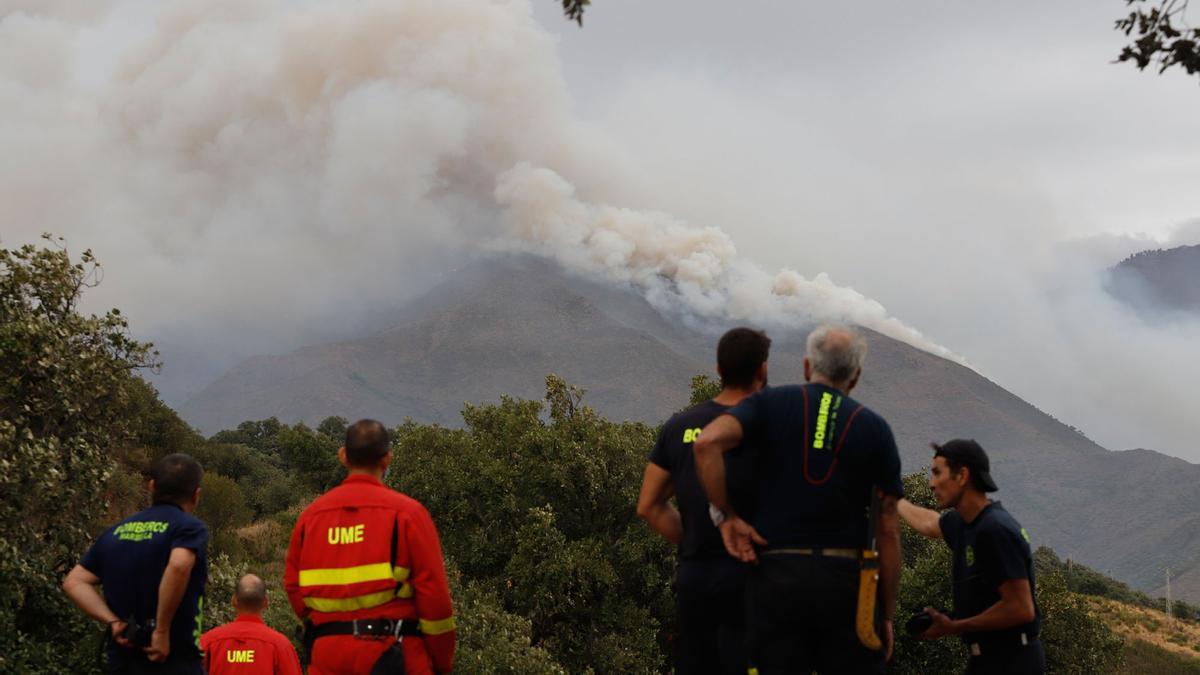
[(550, 568)]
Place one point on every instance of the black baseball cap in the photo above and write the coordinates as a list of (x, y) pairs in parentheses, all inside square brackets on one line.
[(970, 454)]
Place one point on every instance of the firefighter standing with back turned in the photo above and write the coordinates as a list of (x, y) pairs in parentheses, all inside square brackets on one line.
[(365, 567), (246, 645), (828, 481), (709, 584)]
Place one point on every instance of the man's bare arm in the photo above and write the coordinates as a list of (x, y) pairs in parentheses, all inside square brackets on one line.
[(170, 593), (82, 587), (921, 519), (720, 436), (888, 540), (1014, 608), (654, 506)]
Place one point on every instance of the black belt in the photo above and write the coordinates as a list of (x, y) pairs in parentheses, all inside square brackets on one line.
[(368, 628), (851, 553)]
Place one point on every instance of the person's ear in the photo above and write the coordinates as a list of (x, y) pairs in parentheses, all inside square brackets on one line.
[(233, 601), (807, 370), (196, 498), (386, 461), (342, 457), (854, 380)]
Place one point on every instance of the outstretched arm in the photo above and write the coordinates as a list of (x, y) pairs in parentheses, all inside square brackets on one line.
[(921, 519), (654, 506)]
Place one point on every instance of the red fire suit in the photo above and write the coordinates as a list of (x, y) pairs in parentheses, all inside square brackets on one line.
[(246, 646), (364, 551)]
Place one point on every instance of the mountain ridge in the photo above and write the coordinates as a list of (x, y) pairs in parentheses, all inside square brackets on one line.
[(498, 327)]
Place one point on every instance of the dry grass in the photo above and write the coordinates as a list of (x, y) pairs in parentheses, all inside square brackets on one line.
[(1150, 626)]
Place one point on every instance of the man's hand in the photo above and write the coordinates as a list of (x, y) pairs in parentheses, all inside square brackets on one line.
[(740, 538), (160, 645), (942, 625), (117, 630)]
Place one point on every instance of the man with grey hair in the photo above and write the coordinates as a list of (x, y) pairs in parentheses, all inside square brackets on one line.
[(246, 646), (824, 529)]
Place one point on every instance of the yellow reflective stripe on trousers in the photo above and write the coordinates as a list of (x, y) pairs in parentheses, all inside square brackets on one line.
[(339, 576), (437, 627), (349, 604)]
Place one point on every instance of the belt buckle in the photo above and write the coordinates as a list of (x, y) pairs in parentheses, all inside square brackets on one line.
[(354, 627), (397, 629)]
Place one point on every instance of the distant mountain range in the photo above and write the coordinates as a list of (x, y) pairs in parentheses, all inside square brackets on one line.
[(499, 327), (1159, 281)]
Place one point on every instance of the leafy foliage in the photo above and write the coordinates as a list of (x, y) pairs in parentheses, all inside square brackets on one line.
[(539, 512), (65, 390), (1162, 36)]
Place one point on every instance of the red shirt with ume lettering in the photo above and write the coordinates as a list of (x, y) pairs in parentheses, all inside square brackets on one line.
[(363, 550), (246, 646)]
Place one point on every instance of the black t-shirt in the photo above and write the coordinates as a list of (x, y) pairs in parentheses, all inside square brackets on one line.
[(673, 452), (130, 558), (988, 551), (818, 453)]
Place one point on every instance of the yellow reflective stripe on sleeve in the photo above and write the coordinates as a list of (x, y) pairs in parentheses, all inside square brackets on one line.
[(400, 573), (406, 591), (437, 627), (349, 604), (337, 576)]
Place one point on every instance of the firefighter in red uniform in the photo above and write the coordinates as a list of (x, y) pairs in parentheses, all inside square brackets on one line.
[(365, 567), (246, 646)]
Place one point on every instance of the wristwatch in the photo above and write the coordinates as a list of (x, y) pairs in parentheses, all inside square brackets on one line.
[(716, 515)]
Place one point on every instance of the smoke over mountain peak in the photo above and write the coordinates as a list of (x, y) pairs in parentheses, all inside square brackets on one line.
[(257, 175)]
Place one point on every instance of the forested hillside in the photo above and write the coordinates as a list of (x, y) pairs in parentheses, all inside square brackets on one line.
[(551, 570)]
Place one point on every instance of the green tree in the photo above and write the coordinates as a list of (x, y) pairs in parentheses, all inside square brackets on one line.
[(535, 504), (65, 393), (704, 388)]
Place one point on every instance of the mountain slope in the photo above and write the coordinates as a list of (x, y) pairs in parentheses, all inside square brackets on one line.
[(1160, 280), (497, 328)]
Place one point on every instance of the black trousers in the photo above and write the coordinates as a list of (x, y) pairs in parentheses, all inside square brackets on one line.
[(710, 597), (1028, 659), (800, 617)]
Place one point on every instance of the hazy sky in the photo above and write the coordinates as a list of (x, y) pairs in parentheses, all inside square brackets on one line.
[(260, 174)]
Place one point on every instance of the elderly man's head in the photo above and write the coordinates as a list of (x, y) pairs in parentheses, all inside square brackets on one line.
[(250, 597), (835, 356)]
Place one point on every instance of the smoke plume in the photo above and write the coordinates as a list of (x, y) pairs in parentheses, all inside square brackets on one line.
[(258, 174)]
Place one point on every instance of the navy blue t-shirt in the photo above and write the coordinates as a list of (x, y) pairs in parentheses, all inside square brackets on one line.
[(818, 454), (988, 551), (673, 452), (130, 558)]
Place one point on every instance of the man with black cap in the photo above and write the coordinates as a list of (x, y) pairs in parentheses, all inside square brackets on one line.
[(994, 607)]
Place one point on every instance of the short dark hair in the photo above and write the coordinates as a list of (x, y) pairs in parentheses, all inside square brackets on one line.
[(176, 478), (740, 353), (980, 475), (367, 442), (251, 593)]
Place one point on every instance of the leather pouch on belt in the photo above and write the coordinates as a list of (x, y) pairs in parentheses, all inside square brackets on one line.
[(391, 662), (868, 585)]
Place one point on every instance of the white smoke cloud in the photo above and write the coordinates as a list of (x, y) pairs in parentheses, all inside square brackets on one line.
[(260, 174), (678, 265)]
